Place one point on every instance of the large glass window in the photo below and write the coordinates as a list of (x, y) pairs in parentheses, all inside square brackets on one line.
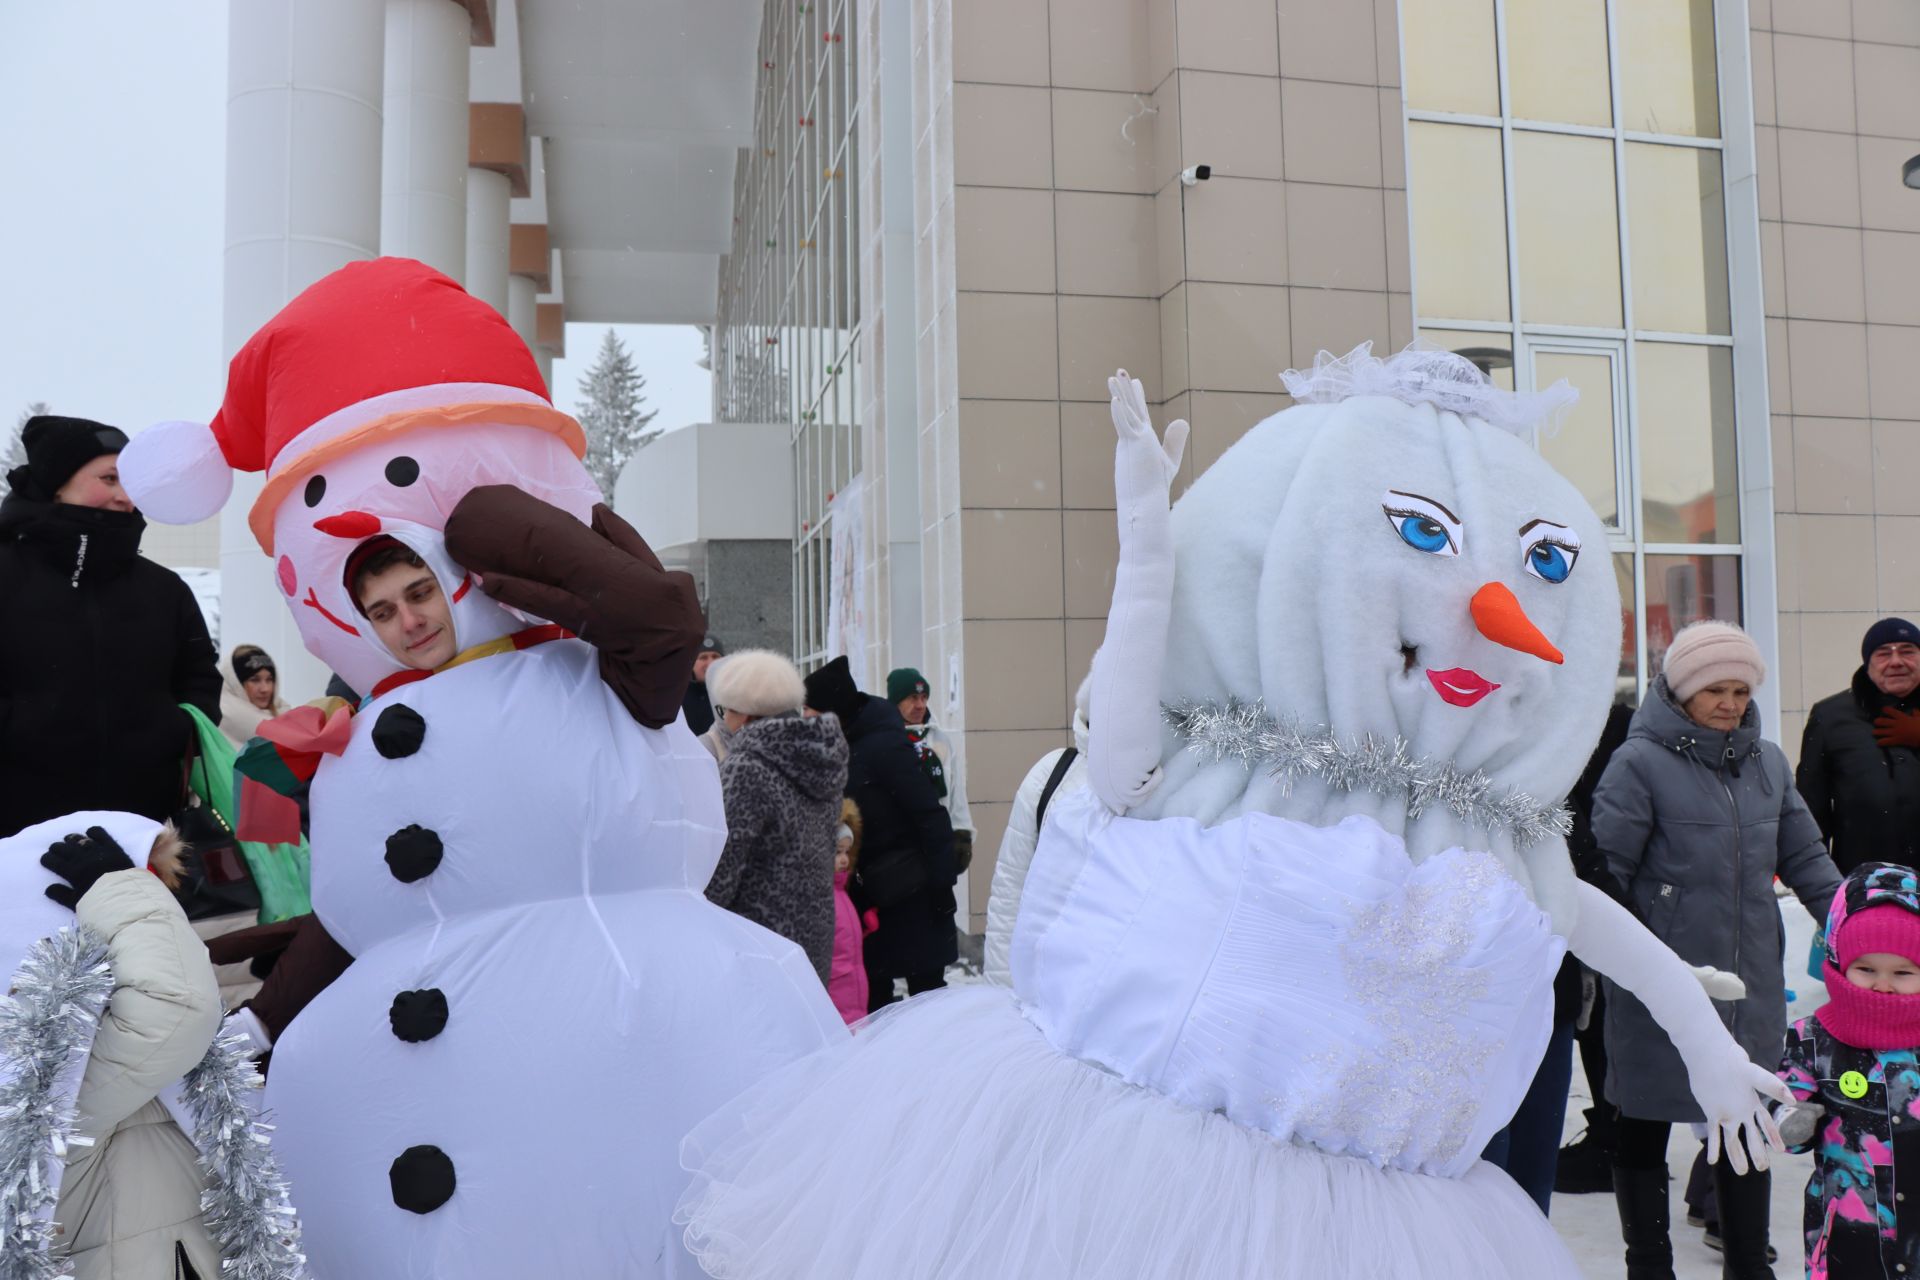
[(784, 348), (1567, 197)]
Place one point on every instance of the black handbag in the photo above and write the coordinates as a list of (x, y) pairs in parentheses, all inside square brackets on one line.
[(214, 879), (889, 877)]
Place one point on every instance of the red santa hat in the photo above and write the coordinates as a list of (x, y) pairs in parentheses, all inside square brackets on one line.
[(374, 349)]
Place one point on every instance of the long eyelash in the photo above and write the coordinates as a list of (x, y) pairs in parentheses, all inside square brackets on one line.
[(1423, 515)]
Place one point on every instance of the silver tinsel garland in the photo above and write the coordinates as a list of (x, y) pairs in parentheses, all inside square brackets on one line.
[(51, 1013), (49, 1016), (245, 1202), (1248, 733)]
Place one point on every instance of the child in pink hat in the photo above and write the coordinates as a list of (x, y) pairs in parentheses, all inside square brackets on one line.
[(1854, 1068)]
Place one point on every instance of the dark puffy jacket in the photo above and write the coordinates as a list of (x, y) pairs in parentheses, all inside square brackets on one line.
[(901, 811), (98, 649), (1696, 824), (1865, 797), (782, 783)]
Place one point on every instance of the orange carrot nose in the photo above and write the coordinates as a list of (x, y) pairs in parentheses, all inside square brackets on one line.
[(1501, 619)]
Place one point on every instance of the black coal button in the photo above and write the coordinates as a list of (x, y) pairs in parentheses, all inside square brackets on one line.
[(422, 1179), (419, 1015), (399, 732), (413, 852)]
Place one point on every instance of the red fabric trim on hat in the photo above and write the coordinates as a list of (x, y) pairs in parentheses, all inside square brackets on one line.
[(542, 417)]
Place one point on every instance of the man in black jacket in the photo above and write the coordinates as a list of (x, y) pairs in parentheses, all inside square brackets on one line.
[(906, 836), (99, 647), (1860, 755)]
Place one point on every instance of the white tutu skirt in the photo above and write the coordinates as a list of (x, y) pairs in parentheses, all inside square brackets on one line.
[(949, 1139)]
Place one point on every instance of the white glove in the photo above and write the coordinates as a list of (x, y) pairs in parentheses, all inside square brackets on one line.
[(1718, 983), (1798, 1122), (1728, 1086), (1123, 745)]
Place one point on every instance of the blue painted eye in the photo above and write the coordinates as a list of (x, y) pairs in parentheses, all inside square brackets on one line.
[(1422, 533), (1550, 561)]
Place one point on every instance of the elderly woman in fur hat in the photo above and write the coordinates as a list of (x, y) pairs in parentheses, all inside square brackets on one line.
[(782, 781)]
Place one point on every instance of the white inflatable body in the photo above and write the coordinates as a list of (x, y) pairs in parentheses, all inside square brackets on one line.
[(596, 1004)]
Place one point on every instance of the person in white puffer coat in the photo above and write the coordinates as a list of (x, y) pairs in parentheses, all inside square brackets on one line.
[(1023, 835), (129, 1201)]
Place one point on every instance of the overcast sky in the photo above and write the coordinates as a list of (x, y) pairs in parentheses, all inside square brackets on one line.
[(113, 137)]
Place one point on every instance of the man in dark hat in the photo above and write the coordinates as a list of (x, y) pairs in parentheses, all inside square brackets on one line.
[(697, 703), (1860, 754), (98, 647), (907, 866)]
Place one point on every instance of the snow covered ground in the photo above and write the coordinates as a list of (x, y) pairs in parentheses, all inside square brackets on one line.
[(1591, 1226)]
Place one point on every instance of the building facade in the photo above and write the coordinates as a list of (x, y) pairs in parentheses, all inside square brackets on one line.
[(959, 216)]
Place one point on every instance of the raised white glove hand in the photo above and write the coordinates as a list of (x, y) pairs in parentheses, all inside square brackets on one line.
[(1798, 1122), (1729, 1087), (1124, 739), (1144, 465), (1718, 983)]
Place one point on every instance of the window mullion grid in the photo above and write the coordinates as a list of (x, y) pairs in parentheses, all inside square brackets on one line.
[(1522, 364), (1630, 491)]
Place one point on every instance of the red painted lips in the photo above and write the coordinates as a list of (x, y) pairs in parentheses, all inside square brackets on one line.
[(1460, 686)]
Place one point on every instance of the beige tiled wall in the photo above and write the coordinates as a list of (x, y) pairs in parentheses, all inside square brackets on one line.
[(1837, 109), (1057, 243)]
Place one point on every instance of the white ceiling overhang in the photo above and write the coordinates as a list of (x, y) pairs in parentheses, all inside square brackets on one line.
[(643, 105)]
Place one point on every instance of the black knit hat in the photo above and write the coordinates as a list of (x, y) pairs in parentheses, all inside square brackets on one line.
[(56, 447), (831, 688), (249, 660), (1888, 631)]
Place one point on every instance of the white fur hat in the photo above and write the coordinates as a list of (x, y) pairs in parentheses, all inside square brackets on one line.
[(756, 682)]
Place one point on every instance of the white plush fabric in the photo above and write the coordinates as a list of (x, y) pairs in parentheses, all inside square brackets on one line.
[(1292, 585)]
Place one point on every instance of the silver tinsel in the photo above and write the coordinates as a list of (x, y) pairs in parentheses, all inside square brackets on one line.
[(245, 1201), (49, 1016), (1248, 733)]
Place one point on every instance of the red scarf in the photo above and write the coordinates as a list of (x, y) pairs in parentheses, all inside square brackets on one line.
[(1869, 1019)]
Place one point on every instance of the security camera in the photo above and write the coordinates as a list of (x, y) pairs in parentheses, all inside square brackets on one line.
[(1198, 173)]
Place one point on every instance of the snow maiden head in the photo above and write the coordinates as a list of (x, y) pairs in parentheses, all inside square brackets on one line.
[(1392, 562), (374, 402)]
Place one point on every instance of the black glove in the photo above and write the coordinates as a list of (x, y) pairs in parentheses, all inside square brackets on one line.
[(80, 860), (962, 851)]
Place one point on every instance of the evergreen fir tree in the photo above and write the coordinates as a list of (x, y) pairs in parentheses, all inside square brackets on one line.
[(612, 413)]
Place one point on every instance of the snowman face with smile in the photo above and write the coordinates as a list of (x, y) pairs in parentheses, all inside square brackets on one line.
[(1548, 549)]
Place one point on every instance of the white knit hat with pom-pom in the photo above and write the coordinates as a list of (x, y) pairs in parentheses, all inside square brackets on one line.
[(756, 682)]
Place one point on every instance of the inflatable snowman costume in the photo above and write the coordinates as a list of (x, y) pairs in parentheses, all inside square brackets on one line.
[(541, 1001), (1283, 967)]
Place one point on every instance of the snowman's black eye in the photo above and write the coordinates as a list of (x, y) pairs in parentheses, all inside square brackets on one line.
[(402, 471), (316, 490)]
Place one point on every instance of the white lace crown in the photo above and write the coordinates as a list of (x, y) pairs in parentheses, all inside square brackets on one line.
[(1428, 375)]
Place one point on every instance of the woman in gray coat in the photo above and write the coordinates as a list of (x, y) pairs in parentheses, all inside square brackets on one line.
[(1696, 814)]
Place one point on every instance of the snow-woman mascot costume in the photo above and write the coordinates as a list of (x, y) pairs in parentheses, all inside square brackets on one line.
[(541, 1001), (1284, 966)]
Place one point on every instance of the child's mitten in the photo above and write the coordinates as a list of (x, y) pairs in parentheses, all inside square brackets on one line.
[(1798, 1121)]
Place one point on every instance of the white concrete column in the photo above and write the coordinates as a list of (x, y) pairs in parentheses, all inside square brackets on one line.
[(544, 358), (489, 203), (521, 308), (303, 198), (423, 170)]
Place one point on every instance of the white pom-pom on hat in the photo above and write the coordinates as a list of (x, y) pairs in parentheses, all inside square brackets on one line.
[(175, 472)]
